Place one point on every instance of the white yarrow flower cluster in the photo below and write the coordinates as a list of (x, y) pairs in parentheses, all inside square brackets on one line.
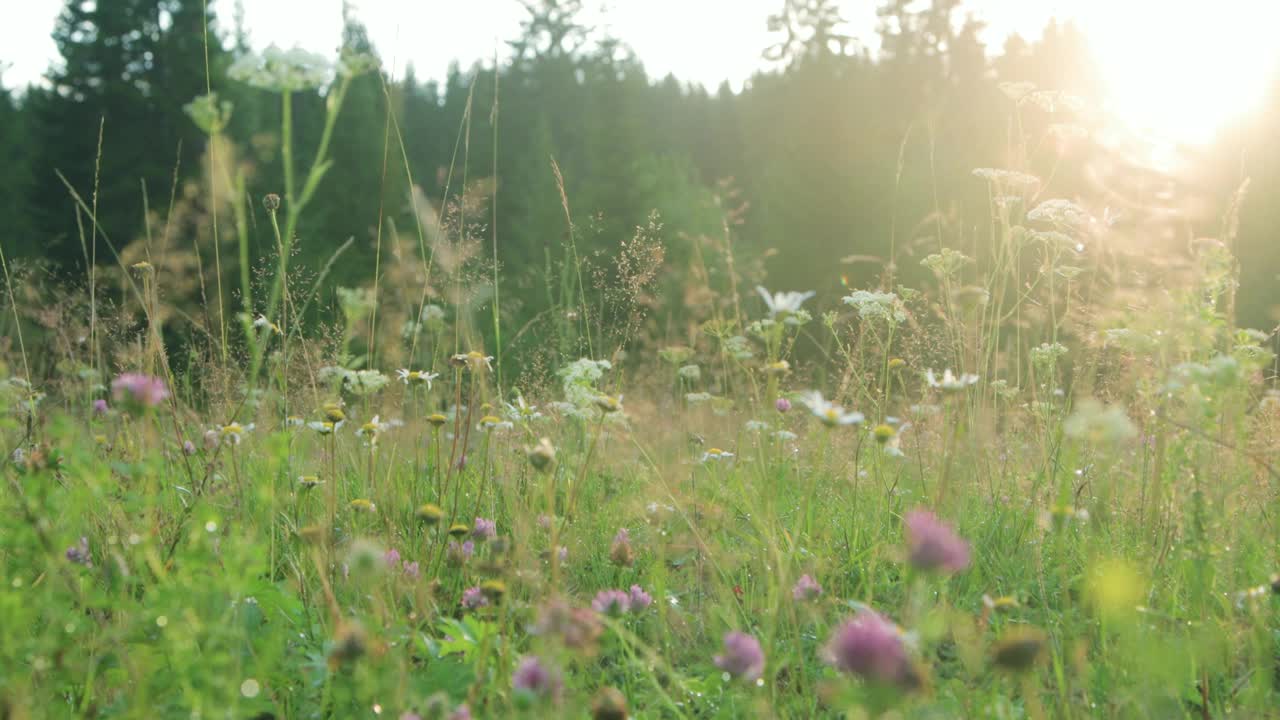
[(578, 379), (282, 70), (877, 306)]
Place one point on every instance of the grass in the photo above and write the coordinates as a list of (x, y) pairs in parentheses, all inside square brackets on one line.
[(306, 540)]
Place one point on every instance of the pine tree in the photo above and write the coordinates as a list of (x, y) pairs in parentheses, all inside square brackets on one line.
[(127, 68)]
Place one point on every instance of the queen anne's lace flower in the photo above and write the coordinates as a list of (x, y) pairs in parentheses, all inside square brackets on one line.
[(282, 70)]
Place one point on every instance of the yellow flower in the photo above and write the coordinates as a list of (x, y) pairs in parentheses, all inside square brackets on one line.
[(362, 505), (430, 514)]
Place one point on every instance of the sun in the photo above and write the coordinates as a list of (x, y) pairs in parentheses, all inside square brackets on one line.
[(1183, 70)]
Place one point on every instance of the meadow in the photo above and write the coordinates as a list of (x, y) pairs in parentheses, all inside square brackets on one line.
[(1042, 483)]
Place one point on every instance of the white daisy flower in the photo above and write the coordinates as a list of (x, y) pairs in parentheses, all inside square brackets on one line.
[(950, 382), (829, 413), (783, 303)]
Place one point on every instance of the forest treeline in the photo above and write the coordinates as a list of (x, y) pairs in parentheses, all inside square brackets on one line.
[(815, 171)]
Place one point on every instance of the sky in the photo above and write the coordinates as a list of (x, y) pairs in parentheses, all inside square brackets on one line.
[(668, 35), (1184, 66)]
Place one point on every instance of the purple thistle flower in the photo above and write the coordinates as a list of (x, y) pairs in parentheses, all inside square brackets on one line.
[(639, 600), (806, 589), (392, 558), (188, 447), (412, 570), (782, 405), (100, 407), (473, 597), (742, 657), (139, 391), (933, 545), (535, 678), (870, 647), (611, 602), (79, 554), (484, 529)]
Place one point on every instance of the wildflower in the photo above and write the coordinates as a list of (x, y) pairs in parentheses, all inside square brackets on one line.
[(281, 70), (458, 555), (349, 643), (361, 505), (1020, 649), (416, 377), (611, 602), (324, 428), (493, 422), (946, 263), (293, 421), (884, 433), (609, 704), (459, 529), (100, 407), (412, 570), (806, 589), (309, 482), (430, 514), (782, 405), (999, 604), (620, 552), (188, 447), (462, 712), (716, 454), (690, 373), (577, 628), (933, 545), (756, 426), (473, 598), (474, 361), (536, 680), (437, 420), (1059, 516), (541, 456), (784, 436), (139, 392), (675, 354), (365, 382), (370, 430), (949, 383), (609, 403), (830, 414), (742, 656), (271, 202), (333, 413), (871, 648), (261, 322), (1099, 424), (234, 432), (897, 363), (212, 439), (784, 303), (877, 306), (694, 398), (484, 529), (781, 367), (1063, 214), (80, 554), (365, 558), (638, 600), (1011, 179), (521, 411)]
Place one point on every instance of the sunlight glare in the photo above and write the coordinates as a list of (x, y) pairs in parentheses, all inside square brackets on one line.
[(1184, 70)]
